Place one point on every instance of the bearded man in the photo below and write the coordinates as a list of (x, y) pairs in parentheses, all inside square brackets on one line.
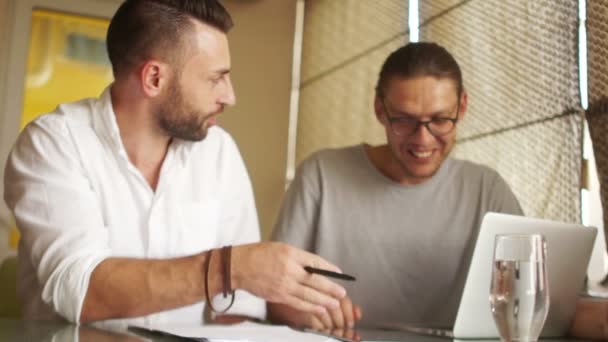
[(122, 201)]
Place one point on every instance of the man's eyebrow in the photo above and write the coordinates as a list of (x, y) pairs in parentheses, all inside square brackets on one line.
[(396, 112), (440, 113), (402, 114), (222, 71)]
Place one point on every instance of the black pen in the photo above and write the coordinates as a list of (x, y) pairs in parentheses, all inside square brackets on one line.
[(327, 273)]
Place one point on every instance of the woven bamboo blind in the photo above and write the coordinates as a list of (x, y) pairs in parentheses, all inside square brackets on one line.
[(344, 45), (520, 67)]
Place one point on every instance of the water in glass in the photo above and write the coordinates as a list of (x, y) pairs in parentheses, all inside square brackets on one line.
[(519, 295)]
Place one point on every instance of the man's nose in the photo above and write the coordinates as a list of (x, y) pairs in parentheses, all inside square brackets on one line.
[(228, 97), (422, 133)]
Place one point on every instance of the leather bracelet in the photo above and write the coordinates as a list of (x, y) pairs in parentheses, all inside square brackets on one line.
[(226, 253), (225, 262)]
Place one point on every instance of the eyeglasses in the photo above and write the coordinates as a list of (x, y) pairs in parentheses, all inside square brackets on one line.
[(407, 125)]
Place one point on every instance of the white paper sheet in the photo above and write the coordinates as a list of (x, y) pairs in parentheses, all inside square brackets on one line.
[(246, 331)]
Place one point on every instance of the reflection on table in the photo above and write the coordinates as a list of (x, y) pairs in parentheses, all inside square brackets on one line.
[(17, 331)]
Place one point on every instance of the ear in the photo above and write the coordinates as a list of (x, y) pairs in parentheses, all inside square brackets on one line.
[(464, 98), (154, 76)]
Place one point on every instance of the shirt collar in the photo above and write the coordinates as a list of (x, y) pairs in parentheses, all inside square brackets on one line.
[(105, 123), (107, 126)]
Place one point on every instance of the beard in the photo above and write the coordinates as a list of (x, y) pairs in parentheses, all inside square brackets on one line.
[(177, 118)]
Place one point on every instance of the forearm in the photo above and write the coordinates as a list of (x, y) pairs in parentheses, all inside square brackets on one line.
[(124, 287), (121, 288), (591, 319)]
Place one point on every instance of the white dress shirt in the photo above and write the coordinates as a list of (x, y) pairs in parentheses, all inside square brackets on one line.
[(78, 200)]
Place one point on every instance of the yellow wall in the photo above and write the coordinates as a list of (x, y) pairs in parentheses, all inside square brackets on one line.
[(262, 51)]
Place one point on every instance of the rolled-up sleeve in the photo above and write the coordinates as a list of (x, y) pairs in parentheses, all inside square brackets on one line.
[(57, 213)]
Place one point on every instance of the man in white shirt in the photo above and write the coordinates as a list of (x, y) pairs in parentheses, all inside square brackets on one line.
[(120, 199)]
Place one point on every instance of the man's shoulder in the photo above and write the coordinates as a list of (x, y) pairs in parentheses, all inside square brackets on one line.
[(472, 171), (479, 179), (330, 162), (335, 156), (57, 121), (467, 166)]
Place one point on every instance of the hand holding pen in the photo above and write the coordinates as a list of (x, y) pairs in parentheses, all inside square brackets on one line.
[(275, 272), (327, 273)]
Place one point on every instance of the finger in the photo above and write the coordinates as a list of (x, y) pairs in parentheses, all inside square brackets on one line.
[(347, 312), (339, 332), (326, 331), (315, 297), (301, 305), (324, 285), (337, 317), (310, 259), (316, 323), (305, 258), (325, 319), (358, 313), (352, 334), (348, 333)]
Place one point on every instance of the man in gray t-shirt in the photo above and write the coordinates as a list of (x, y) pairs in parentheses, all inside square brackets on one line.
[(402, 217)]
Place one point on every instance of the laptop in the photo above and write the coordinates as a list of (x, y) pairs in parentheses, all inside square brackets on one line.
[(568, 252), (569, 249)]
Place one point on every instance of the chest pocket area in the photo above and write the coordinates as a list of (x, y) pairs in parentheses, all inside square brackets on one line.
[(198, 227)]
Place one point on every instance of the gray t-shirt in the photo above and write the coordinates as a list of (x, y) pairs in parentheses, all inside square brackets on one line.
[(409, 246)]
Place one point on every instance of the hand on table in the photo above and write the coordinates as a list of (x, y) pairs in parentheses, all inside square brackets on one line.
[(341, 318)]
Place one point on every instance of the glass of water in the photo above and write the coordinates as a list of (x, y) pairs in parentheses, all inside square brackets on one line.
[(519, 293)]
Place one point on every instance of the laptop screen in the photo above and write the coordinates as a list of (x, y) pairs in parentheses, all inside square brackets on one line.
[(569, 248)]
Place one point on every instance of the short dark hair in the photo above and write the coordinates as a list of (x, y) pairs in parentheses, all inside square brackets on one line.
[(142, 29), (419, 59)]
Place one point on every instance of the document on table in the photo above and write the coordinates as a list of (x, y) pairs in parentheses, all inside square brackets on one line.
[(246, 331)]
